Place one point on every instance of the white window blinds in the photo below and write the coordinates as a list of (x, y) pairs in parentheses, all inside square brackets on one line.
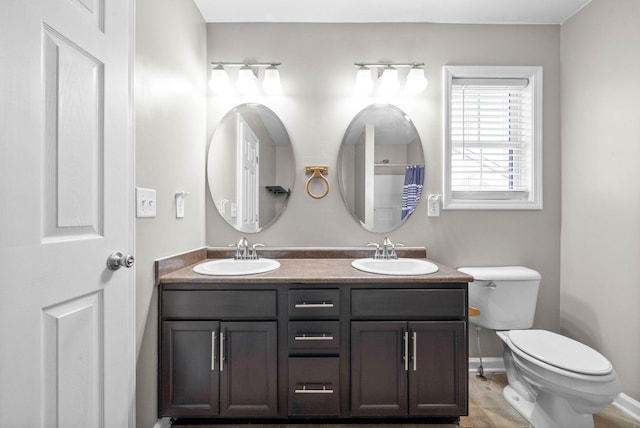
[(490, 131)]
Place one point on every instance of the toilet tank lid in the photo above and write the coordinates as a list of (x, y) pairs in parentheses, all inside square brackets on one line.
[(501, 273)]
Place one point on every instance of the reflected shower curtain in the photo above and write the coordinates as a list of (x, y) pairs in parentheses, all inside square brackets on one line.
[(412, 189)]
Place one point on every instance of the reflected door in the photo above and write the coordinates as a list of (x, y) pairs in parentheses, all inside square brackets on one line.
[(248, 177)]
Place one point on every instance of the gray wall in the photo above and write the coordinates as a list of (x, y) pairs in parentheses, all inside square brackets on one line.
[(317, 76), (170, 83), (601, 183)]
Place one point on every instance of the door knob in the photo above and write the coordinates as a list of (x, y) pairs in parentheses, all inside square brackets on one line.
[(117, 260)]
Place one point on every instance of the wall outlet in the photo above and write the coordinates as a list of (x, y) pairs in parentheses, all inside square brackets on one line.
[(145, 202), (433, 206), (180, 205)]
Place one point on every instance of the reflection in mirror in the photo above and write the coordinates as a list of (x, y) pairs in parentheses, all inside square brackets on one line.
[(250, 167), (381, 167)]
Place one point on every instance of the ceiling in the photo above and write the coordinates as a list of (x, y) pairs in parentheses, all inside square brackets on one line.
[(438, 11)]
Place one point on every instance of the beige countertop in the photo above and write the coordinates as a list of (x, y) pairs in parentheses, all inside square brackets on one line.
[(317, 266)]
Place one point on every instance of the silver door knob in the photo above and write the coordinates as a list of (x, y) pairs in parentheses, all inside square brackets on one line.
[(117, 260)]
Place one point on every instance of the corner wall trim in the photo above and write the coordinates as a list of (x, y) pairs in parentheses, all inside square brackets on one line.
[(163, 423)]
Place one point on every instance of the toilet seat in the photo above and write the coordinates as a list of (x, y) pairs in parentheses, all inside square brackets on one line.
[(561, 352)]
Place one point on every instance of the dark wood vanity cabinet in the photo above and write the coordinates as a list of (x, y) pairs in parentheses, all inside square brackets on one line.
[(307, 351), (408, 368), (217, 367)]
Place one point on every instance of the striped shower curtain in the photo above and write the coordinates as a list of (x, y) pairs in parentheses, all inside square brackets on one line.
[(412, 189)]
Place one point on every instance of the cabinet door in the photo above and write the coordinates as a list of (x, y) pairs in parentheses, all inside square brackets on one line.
[(378, 376), (249, 369), (438, 368), (189, 380)]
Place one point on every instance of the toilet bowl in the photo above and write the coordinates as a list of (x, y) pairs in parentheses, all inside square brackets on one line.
[(553, 381)]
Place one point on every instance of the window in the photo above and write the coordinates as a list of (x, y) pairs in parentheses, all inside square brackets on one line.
[(493, 138)]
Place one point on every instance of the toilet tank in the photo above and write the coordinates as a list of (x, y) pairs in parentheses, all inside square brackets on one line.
[(506, 296)]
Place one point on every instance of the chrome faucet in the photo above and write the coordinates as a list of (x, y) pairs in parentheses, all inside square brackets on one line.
[(386, 251), (244, 252), (389, 249), (242, 247)]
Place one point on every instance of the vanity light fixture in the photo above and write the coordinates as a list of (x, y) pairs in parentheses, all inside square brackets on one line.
[(415, 83), (364, 81), (246, 83), (219, 81), (389, 83), (248, 76), (271, 82)]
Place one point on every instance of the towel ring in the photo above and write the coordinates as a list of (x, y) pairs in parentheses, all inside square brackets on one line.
[(317, 172)]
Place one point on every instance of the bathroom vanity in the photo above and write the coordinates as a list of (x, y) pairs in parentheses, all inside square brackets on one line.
[(313, 339)]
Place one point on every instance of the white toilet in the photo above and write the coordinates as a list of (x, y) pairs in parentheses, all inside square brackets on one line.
[(554, 381)]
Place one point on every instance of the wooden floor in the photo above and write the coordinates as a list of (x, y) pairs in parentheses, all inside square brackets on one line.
[(487, 409)]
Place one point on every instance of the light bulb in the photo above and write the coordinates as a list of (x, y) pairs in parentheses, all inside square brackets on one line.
[(389, 83), (364, 81), (219, 81), (246, 83), (416, 82), (271, 83)]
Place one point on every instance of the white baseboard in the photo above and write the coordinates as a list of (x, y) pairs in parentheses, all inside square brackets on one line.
[(163, 423), (490, 364), (628, 405)]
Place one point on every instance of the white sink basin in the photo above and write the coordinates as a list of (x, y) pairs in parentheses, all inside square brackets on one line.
[(395, 266), (236, 267)]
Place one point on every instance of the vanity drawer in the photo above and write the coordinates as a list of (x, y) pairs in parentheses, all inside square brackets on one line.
[(314, 303), (314, 386), (219, 304), (314, 336), (408, 303)]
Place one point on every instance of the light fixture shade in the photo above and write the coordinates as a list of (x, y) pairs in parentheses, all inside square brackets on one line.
[(389, 83), (271, 82), (364, 81), (219, 81), (246, 83), (416, 81)]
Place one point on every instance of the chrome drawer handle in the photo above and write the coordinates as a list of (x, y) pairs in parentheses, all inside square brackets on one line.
[(304, 337), (314, 305), (213, 350), (304, 390)]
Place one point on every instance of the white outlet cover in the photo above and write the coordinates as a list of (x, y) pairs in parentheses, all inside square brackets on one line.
[(145, 202)]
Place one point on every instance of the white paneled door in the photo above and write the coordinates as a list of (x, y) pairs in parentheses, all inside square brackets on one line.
[(66, 180)]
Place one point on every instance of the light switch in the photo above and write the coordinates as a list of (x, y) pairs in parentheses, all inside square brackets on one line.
[(145, 202)]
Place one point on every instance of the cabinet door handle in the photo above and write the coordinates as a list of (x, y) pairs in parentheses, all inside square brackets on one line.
[(314, 305), (213, 350), (304, 390), (221, 351), (405, 357), (305, 337), (414, 357)]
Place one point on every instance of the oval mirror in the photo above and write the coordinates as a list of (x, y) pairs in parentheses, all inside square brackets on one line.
[(381, 167), (250, 167)]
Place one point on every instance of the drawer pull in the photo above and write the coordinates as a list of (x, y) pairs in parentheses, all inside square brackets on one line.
[(314, 305), (304, 390), (306, 337), (222, 358), (213, 350)]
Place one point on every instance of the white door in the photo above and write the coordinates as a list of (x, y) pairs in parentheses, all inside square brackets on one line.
[(248, 178), (66, 321)]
